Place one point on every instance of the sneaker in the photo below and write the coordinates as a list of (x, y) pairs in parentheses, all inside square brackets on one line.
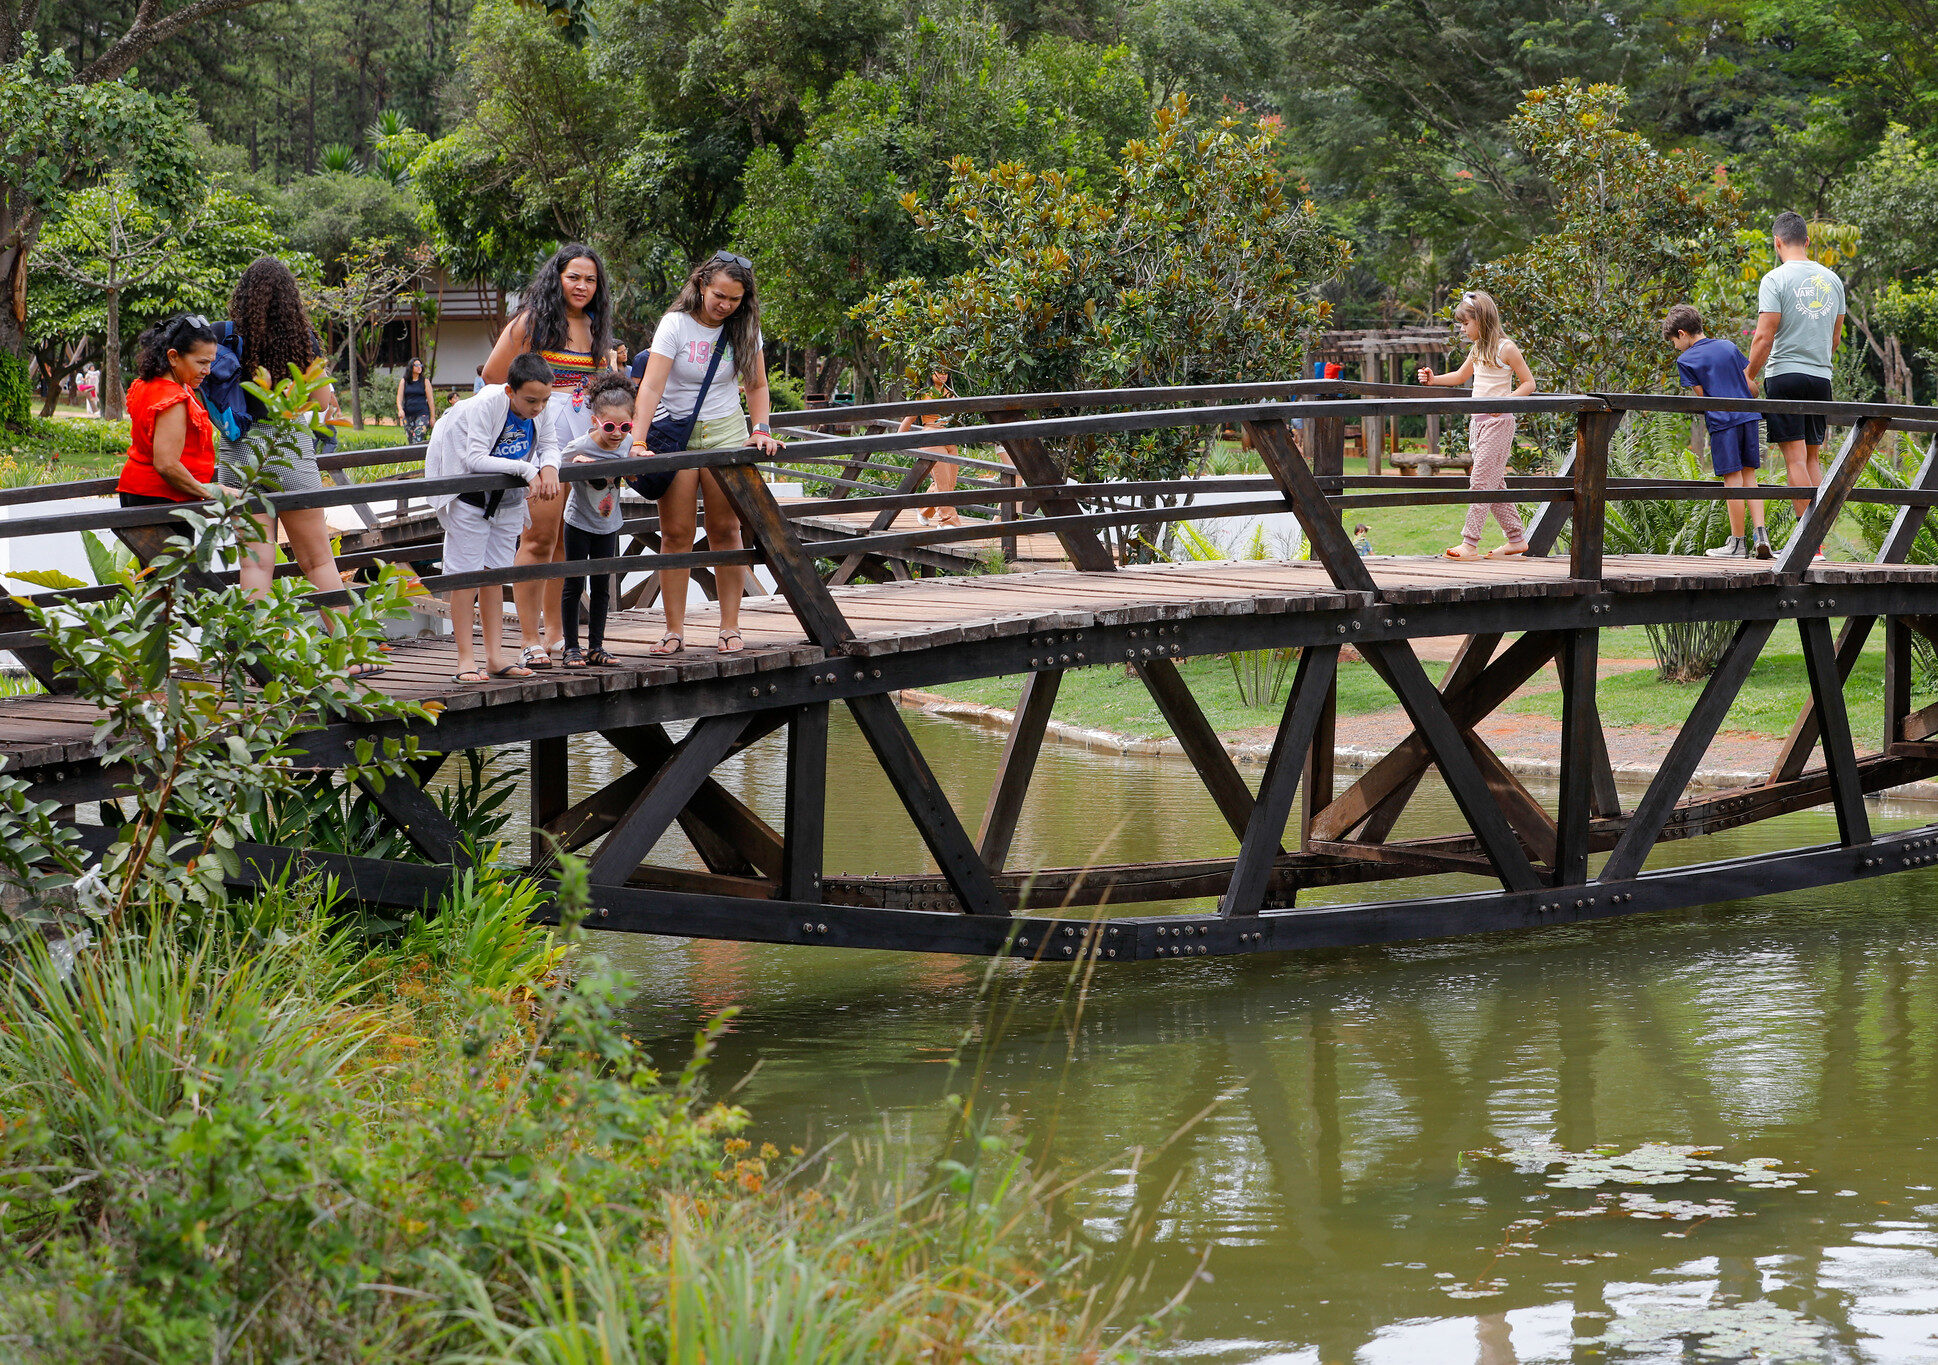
[(1760, 547), (1733, 548)]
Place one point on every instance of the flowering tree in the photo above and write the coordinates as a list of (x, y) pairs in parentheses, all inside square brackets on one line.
[(1637, 229), (1195, 267)]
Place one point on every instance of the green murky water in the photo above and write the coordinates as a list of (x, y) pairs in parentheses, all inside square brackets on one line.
[(1326, 1184)]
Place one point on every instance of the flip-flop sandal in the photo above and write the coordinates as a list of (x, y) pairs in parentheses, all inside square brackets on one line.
[(473, 675), (660, 650), (573, 658), (1462, 552), (512, 671), (727, 635), (362, 671), (598, 658), (536, 656), (1507, 552)]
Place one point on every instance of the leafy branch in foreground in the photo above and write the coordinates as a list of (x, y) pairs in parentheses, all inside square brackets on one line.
[(202, 690)]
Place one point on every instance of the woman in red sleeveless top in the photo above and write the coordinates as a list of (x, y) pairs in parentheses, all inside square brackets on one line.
[(171, 453)]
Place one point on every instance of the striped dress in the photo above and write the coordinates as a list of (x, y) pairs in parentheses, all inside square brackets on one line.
[(571, 372)]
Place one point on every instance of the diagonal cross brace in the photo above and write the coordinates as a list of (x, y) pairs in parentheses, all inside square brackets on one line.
[(1259, 845), (1685, 752), (655, 809), (1399, 667)]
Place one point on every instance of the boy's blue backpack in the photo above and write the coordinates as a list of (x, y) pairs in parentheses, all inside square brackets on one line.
[(222, 394)]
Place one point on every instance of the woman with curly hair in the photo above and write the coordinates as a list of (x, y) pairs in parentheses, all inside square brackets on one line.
[(566, 318), (685, 380), (273, 329)]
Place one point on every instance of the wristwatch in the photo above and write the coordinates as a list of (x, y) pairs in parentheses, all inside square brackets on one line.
[(762, 429)]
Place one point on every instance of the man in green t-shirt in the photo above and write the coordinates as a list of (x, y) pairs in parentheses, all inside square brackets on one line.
[(1799, 323)]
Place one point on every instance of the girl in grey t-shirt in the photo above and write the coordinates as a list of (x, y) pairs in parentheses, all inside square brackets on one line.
[(593, 515)]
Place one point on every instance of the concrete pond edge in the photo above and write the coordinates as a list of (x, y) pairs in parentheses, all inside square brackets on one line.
[(1112, 742)]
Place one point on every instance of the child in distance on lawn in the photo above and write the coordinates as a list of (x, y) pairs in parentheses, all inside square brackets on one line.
[(1713, 368)]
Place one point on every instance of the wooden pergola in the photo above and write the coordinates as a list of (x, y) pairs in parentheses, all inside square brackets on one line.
[(1385, 355)]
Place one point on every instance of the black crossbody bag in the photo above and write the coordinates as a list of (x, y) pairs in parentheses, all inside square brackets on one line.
[(668, 434)]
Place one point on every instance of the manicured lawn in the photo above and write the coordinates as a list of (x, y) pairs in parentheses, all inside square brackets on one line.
[(1769, 702), (66, 449), (1109, 698)]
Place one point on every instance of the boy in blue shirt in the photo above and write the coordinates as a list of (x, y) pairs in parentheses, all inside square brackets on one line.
[(1713, 368)]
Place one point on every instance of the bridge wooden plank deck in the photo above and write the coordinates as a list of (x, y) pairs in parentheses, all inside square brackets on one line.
[(926, 613)]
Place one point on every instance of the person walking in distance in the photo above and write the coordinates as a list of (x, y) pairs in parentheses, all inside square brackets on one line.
[(1799, 324), (566, 320), (1496, 369), (706, 347), (942, 474), (416, 404)]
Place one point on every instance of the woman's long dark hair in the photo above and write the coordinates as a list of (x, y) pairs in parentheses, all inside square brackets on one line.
[(742, 327), (543, 307), (415, 369), (177, 334), (267, 309)]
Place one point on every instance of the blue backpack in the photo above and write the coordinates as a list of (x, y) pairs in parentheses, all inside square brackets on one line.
[(222, 394)]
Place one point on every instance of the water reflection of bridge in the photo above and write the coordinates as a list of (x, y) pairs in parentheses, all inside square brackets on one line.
[(1344, 1094), (814, 645)]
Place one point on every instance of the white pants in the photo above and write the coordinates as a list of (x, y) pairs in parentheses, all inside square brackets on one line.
[(473, 541)]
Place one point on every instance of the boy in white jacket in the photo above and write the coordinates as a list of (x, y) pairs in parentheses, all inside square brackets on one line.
[(493, 432)]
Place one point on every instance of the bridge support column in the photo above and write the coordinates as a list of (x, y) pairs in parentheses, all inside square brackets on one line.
[(1580, 727), (550, 794), (805, 821), (1259, 846)]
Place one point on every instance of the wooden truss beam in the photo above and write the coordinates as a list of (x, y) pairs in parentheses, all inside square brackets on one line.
[(927, 804), (1018, 763), (1258, 848), (660, 802)]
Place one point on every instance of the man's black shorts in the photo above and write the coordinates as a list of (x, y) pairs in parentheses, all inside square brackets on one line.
[(1785, 426)]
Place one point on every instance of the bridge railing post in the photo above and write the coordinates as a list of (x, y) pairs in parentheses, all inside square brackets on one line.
[(1594, 430), (793, 568)]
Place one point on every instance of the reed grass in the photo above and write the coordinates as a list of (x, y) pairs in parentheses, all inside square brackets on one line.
[(267, 1138)]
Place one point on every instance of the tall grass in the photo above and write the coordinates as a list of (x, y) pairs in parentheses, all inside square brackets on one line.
[(278, 1144)]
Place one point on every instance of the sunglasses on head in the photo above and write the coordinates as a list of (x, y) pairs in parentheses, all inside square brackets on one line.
[(621, 427), (188, 322), (732, 259)]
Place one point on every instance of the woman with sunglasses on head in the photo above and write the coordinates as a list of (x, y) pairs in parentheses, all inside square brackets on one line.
[(566, 318), (705, 349), (171, 447)]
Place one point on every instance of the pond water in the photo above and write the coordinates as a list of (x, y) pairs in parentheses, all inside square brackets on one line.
[(1305, 1126)]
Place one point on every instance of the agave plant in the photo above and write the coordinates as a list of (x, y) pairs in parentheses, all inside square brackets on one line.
[(339, 159), (1258, 674)]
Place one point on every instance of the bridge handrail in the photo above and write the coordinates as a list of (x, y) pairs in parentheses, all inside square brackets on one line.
[(1584, 487)]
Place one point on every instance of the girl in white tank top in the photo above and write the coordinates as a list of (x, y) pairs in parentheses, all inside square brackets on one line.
[(1496, 369)]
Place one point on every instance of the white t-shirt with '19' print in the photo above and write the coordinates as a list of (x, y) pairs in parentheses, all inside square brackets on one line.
[(689, 344)]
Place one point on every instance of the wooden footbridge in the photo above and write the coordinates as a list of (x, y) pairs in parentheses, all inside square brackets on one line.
[(817, 644)]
